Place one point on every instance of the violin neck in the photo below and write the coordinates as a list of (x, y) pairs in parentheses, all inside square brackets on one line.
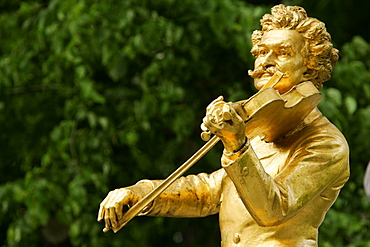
[(274, 80)]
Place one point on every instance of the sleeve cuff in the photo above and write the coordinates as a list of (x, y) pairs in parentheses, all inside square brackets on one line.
[(229, 157), (149, 207)]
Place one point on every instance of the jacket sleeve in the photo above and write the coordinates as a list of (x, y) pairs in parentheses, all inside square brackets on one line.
[(317, 163), (190, 196)]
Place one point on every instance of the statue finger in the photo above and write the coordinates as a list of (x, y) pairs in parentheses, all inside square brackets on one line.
[(107, 228), (226, 112), (102, 209), (214, 128), (215, 103), (203, 127), (119, 210), (209, 122), (231, 113), (101, 214), (107, 222), (112, 217), (217, 116), (206, 134), (217, 100)]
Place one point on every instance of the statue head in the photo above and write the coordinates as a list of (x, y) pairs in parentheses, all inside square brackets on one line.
[(286, 32)]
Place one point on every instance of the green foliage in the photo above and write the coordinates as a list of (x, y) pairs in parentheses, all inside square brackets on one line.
[(348, 107), (96, 95)]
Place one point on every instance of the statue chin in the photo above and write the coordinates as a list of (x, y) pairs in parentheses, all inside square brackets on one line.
[(260, 82)]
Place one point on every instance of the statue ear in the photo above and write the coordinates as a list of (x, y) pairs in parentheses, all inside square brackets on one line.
[(310, 74)]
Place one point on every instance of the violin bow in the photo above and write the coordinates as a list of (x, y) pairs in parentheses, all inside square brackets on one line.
[(139, 206)]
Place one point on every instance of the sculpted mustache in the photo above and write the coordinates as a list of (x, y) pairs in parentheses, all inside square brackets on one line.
[(258, 72)]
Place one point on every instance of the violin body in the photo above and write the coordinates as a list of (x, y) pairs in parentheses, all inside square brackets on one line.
[(271, 116)]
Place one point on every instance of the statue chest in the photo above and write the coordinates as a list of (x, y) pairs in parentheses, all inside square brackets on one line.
[(236, 223), (272, 157)]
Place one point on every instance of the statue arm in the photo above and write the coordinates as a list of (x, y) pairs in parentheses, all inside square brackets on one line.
[(317, 163), (190, 196)]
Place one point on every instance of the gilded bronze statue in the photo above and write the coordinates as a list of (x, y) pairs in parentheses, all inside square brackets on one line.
[(283, 163)]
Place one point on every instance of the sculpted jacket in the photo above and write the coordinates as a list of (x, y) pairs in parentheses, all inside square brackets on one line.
[(267, 194)]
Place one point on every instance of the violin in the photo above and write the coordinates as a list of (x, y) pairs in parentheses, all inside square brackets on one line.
[(267, 114)]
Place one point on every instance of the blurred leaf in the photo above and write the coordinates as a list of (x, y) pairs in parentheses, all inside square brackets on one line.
[(335, 96), (351, 104)]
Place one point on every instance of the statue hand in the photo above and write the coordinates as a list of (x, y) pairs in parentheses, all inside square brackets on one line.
[(111, 208), (222, 120)]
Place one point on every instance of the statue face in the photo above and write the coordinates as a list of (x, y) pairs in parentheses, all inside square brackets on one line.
[(282, 50)]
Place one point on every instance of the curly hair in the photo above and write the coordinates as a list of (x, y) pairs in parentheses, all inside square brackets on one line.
[(320, 56)]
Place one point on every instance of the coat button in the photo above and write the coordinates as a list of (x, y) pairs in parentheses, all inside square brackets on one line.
[(236, 238), (245, 171)]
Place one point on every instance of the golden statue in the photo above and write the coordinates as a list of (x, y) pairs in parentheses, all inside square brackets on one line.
[(283, 163)]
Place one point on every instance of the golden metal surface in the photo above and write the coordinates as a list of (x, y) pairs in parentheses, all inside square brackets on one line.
[(138, 207), (283, 163)]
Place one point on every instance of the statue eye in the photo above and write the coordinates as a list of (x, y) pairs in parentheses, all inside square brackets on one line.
[(284, 53), (263, 52)]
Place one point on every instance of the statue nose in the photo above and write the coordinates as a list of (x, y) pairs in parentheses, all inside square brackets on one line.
[(268, 60)]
